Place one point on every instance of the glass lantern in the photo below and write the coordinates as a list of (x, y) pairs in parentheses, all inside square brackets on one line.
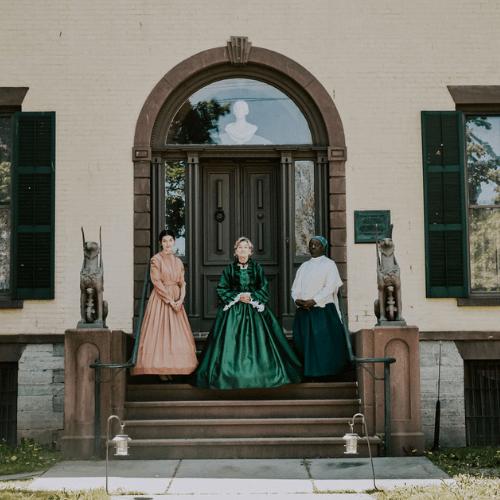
[(351, 443), (120, 442)]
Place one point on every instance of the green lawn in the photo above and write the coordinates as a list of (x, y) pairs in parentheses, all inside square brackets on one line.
[(28, 456), (465, 488), (474, 469), (14, 494), (474, 460)]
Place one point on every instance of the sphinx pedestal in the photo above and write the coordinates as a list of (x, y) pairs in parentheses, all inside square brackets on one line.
[(401, 343), (82, 347)]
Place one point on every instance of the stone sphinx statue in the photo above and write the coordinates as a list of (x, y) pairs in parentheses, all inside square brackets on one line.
[(93, 308), (388, 307)]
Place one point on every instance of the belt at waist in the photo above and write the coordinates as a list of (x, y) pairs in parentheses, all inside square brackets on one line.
[(172, 283)]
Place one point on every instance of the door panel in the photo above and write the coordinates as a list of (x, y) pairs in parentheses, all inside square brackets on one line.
[(261, 222), (237, 199), (221, 214), (211, 302)]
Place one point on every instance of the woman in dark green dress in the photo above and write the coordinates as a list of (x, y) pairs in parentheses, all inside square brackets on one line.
[(246, 347)]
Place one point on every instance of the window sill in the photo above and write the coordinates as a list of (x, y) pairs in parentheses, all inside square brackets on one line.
[(11, 304), (478, 302)]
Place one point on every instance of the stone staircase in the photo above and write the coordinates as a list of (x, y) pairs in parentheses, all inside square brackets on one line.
[(174, 421)]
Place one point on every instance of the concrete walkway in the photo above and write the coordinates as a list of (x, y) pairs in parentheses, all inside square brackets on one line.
[(288, 478)]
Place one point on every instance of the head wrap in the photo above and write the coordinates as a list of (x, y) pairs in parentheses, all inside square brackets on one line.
[(322, 241)]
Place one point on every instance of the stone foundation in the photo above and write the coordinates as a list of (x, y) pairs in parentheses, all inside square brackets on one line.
[(40, 389), (40, 402)]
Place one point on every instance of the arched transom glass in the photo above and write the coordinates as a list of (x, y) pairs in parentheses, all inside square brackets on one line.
[(239, 111)]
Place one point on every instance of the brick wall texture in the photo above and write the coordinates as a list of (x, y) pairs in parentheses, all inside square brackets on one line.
[(95, 63)]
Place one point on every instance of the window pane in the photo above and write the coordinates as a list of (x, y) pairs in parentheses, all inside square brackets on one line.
[(483, 160), (5, 232), (5, 158), (175, 203), (304, 206), (5, 215), (484, 238), (239, 111)]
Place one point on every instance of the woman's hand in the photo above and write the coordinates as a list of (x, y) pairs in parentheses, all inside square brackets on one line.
[(176, 305), (245, 298), (309, 304), (305, 304)]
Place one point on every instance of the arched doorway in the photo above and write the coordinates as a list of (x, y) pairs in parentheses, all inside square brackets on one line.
[(238, 141)]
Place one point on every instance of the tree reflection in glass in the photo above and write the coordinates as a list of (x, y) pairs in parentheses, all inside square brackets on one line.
[(483, 161), (483, 175), (196, 124), (484, 241), (5, 208), (175, 203), (304, 206)]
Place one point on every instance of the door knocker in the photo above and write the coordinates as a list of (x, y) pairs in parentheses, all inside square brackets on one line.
[(220, 216)]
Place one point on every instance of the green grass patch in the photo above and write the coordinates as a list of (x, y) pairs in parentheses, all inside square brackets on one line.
[(474, 460), (465, 488), (14, 494), (28, 456)]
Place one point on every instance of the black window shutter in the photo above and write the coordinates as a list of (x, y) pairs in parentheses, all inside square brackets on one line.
[(33, 206), (444, 203)]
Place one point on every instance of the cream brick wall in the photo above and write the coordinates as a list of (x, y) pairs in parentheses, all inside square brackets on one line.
[(95, 63)]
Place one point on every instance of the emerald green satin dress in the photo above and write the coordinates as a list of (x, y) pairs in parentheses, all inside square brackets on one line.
[(246, 348)]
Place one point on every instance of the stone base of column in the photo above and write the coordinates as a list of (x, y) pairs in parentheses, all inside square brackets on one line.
[(80, 447), (82, 347), (401, 343)]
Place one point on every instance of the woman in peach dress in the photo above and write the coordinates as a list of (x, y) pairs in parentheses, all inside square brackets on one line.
[(166, 346)]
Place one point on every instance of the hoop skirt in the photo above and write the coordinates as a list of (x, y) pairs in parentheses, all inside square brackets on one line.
[(166, 346), (246, 347)]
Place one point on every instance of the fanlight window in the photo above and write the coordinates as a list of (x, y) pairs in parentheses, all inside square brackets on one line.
[(239, 111)]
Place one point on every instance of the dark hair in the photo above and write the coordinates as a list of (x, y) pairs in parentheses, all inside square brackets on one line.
[(166, 232)]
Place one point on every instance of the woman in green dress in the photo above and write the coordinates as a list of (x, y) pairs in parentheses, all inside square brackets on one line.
[(246, 347)]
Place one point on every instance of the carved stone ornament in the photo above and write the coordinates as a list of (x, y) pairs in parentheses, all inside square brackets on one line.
[(238, 48), (388, 308), (93, 308)]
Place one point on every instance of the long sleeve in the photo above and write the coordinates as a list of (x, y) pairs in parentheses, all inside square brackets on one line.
[(297, 283), (331, 286), (155, 274), (261, 293), (224, 289)]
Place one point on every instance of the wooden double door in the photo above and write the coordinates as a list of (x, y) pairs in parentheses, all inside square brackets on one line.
[(236, 198)]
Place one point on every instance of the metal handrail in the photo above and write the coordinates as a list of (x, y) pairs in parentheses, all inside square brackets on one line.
[(386, 378), (97, 365)]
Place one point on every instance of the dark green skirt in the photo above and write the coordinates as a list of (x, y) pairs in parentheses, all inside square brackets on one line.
[(319, 338), (246, 349)]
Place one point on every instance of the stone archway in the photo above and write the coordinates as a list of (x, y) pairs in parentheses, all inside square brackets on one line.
[(239, 57)]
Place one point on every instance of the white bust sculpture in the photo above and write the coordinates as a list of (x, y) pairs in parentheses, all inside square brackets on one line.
[(240, 131)]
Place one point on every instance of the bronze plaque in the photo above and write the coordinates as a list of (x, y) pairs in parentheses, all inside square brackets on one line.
[(364, 225)]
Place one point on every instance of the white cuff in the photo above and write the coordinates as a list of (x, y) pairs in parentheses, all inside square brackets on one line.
[(260, 307)]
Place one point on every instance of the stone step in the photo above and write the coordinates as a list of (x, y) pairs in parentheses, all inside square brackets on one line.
[(297, 447), (239, 428), (314, 408), (186, 392)]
